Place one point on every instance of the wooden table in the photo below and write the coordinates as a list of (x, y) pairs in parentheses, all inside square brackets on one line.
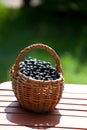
[(69, 114)]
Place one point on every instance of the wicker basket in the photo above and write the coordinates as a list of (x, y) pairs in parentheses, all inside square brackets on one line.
[(37, 95)]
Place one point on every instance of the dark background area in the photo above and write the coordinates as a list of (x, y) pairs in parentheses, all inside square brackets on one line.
[(61, 24)]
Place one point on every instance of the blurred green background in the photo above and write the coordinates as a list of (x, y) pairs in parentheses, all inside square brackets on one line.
[(61, 24)]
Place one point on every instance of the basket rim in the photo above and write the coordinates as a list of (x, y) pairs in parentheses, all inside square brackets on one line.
[(38, 81), (47, 81)]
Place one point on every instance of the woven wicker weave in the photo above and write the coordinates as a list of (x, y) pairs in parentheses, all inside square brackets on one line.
[(37, 95)]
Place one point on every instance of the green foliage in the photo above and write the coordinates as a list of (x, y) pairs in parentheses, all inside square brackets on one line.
[(74, 71), (67, 36), (65, 5)]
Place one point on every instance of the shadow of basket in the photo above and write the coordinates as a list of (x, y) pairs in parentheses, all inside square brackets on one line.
[(21, 117)]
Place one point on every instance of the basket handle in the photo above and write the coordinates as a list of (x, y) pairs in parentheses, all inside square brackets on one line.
[(40, 46)]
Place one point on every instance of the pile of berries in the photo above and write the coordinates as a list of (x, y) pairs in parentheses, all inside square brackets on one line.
[(38, 70)]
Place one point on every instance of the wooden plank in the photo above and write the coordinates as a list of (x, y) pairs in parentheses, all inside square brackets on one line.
[(59, 106), (62, 101), (75, 88), (64, 95), (7, 98), (15, 128), (74, 95), (6, 93), (44, 120), (29, 128), (6, 86), (71, 88), (9, 103), (73, 101), (68, 112), (64, 128), (71, 107)]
